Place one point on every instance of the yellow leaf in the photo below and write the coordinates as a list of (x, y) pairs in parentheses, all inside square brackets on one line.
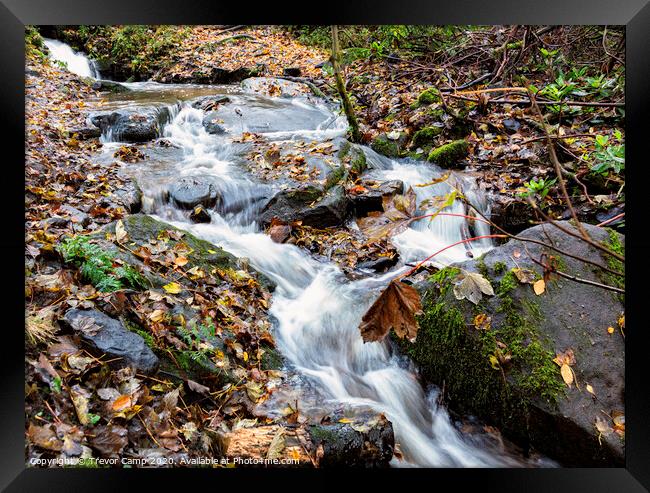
[(539, 287), (172, 288), (345, 420), (567, 374), (610, 330), (157, 315), (590, 389), (494, 362)]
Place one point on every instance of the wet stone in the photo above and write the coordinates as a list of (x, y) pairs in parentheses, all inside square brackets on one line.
[(191, 191)]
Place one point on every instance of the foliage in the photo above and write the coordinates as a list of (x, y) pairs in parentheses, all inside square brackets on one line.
[(98, 266), (609, 156), (34, 43), (538, 187)]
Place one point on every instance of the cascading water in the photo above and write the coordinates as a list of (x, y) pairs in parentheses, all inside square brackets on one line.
[(76, 62), (317, 309)]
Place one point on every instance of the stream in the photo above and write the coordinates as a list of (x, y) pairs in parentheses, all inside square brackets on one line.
[(315, 308)]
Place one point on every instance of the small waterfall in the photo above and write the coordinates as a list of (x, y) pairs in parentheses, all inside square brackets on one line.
[(316, 309), (76, 62)]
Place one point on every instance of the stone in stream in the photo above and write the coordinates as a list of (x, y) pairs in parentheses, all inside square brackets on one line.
[(389, 145), (139, 125), (129, 196), (210, 103), (371, 199), (109, 85), (274, 87), (211, 125), (191, 191), (309, 204), (85, 133), (520, 388), (109, 336), (200, 215)]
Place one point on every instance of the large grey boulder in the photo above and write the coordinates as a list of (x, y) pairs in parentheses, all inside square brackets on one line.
[(191, 191), (109, 336), (503, 371), (309, 204)]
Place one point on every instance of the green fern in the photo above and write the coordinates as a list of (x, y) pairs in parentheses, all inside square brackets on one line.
[(97, 265)]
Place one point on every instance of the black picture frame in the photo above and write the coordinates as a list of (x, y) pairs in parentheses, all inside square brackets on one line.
[(634, 14)]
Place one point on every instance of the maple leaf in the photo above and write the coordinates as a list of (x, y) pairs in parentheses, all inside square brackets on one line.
[(395, 309), (472, 286)]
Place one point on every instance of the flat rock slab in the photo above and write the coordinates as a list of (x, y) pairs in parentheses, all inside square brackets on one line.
[(191, 191), (109, 336)]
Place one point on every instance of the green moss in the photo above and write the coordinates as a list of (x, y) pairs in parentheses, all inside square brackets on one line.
[(272, 359), (358, 163), (449, 154), (335, 176), (499, 267), (444, 278), (507, 284), (382, 145), (482, 268), (344, 150), (429, 96), (148, 338), (426, 136)]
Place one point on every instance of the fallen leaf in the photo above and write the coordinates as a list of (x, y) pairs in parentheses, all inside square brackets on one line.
[(79, 398), (44, 437), (472, 286), (277, 445), (610, 330), (567, 374), (539, 287), (120, 232), (590, 389), (197, 387), (525, 276), (121, 403), (173, 288), (395, 309)]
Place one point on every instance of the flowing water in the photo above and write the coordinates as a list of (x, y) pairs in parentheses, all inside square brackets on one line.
[(76, 62), (316, 309)]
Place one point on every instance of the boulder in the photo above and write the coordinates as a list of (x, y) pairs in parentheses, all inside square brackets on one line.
[(191, 191), (389, 145), (308, 204), (111, 337), (109, 85), (210, 124), (76, 216), (141, 125), (371, 199), (450, 155), (85, 133), (495, 359)]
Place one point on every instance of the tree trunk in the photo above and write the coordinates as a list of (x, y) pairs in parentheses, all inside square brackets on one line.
[(340, 85)]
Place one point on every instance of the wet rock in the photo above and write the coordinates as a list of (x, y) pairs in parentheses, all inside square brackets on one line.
[(191, 191), (132, 126), (129, 196), (109, 336), (511, 125), (76, 215), (291, 71), (211, 125), (366, 442), (109, 85), (521, 390), (85, 133), (510, 214), (210, 103), (308, 204), (371, 200), (426, 137), (200, 215), (381, 264), (390, 144)]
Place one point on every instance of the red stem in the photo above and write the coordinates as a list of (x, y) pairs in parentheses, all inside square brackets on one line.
[(447, 247), (612, 219)]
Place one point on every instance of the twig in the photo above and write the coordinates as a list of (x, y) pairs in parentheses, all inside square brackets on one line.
[(611, 220), (578, 279), (558, 168)]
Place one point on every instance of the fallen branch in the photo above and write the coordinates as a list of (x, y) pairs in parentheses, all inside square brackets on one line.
[(611, 220)]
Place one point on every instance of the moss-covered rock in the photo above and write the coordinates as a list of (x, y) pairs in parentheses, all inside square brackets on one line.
[(503, 371), (449, 155), (385, 146), (429, 96), (426, 137)]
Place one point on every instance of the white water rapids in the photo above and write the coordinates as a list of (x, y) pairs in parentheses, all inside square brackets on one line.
[(316, 309), (76, 62)]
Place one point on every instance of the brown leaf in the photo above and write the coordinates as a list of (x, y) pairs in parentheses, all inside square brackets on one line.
[(109, 440), (44, 437), (395, 309), (280, 233), (398, 211), (197, 387)]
